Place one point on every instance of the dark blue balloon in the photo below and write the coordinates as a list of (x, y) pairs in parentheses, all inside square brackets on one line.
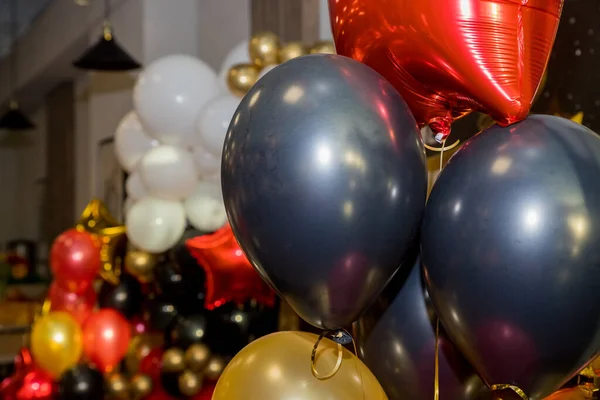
[(510, 247)]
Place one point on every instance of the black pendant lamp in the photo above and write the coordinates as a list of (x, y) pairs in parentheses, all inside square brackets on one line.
[(14, 119), (106, 55)]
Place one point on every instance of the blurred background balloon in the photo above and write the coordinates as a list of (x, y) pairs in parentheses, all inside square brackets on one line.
[(132, 142), (241, 78), (264, 48), (397, 340), (187, 331), (79, 305), (213, 122), (290, 51), (125, 297), (320, 161), (75, 260), (161, 313), (140, 264), (106, 336), (508, 247), (204, 208), (81, 382)]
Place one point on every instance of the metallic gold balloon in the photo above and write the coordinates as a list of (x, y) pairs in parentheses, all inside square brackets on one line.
[(241, 78), (98, 220), (140, 264), (173, 361), (117, 387), (264, 48), (139, 347), (140, 386), (278, 366), (214, 368), (56, 342), (197, 357), (291, 50), (189, 383), (323, 47)]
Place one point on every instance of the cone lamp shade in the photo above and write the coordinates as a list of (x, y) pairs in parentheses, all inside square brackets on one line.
[(106, 55), (15, 120)]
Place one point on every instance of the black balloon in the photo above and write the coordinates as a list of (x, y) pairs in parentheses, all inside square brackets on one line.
[(229, 330), (185, 331), (81, 383), (324, 182), (125, 297), (161, 314), (510, 250), (396, 340)]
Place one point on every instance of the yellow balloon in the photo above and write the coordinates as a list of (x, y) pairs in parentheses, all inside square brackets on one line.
[(56, 342), (278, 367), (241, 77), (291, 50), (323, 47), (264, 48)]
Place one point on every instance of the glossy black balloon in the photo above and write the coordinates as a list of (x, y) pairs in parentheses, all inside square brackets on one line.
[(396, 340), (125, 297), (510, 249), (81, 383), (324, 182), (161, 314), (229, 330), (185, 331)]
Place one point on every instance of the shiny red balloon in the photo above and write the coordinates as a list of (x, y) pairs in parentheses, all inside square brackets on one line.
[(75, 260), (79, 305), (229, 274), (106, 336), (27, 382), (150, 365), (207, 391), (450, 57)]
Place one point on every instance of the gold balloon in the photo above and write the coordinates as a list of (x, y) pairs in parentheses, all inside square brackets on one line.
[(140, 264), (140, 386), (190, 383), (97, 219), (56, 343), (197, 357), (241, 78), (117, 387), (278, 366), (264, 48), (323, 47), (173, 361), (139, 347), (214, 368), (291, 50)]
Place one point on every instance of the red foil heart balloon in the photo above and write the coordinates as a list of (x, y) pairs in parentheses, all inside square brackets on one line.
[(450, 57)]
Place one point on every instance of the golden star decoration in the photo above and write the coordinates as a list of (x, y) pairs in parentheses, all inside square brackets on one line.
[(96, 219)]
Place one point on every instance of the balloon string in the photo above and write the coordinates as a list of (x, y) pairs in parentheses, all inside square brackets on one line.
[(44, 310), (514, 388), (443, 148), (436, 368), (313, 356)]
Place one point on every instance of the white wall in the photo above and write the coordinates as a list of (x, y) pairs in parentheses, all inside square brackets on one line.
[(324, 24)]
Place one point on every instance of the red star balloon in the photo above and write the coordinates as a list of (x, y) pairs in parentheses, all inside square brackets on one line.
[(27, 382), (229, 274), (450, 57)]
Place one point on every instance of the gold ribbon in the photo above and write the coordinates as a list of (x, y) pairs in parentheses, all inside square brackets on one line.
[(313, 356), (514, 388), (44, 310)]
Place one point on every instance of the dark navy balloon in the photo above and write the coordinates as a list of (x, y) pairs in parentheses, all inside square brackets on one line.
[(510, 246), (324, 181)]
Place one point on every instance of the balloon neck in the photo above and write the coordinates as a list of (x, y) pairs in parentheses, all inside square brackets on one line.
[(441, 127), (340, 336)]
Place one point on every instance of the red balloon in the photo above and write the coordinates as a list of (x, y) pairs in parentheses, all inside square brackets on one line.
[(229, 274), (106, 336), (207, 391), (75, 260), (150, 365), (79, 305), (450, 57)]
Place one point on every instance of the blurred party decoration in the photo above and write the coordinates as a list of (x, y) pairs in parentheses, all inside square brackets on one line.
[(207, 163), (509, 249), (238, 55), (117, 387), (197, 357), (290, 51), (575, 393), (81, 383), (168, 172), (190, 383), (173, 360), (397, 341), (442, 63), (204, 208), (214, 120), (161, 314), (151, 364), (106, 336), (140, 386), (214, 368), (169, 94), (33, 384), (75, 260), (135, 188), (187, 331), (56, 342), (276, 367), (132, 142), (574, 66), (264, 48), (241, 78), (140, 264), (323, 47), (78, 305), (155, 225), (229, 275), (124, 297), (139, 348), (321, 161)]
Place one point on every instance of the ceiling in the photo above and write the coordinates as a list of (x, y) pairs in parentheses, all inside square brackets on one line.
[(27, 11)]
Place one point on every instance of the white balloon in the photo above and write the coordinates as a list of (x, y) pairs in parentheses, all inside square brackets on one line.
[(169, 94), (266, 70), (205, 208), (206, 162), (213, 122), (238, 55), (168, 172), (131, 141), (135, 187), (155, 225), (127, 204), (214, 178)]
